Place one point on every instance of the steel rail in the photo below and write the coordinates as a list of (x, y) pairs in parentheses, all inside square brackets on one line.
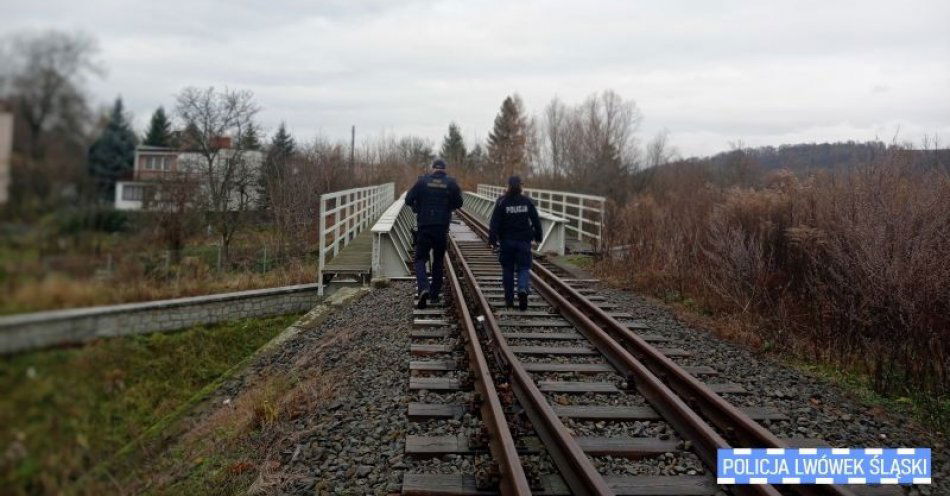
[(502, 444), (729, 419), (667, 403), (575, 468), (745, 431)]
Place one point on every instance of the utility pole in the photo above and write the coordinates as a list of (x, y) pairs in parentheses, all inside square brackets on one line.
[(352, 146), (6, 150)]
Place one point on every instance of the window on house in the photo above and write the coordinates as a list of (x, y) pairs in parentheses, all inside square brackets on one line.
[(131, 192), (157, 162)]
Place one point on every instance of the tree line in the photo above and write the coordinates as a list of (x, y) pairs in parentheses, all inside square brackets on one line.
[(66, 155), (69, 157), (592, 147)]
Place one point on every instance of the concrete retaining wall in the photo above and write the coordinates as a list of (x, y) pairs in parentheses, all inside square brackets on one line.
[(37, 330)]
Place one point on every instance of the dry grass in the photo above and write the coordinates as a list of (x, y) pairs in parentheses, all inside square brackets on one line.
[(130, 284), (226, 450), (849, 268), (42, 269)]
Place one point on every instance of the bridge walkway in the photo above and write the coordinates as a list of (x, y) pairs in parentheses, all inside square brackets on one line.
[(353, 261)]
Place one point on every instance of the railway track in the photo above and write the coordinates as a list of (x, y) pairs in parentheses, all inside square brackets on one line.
[(464, 355), (574, 397)]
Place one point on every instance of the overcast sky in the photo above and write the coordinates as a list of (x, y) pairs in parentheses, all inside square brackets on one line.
[(712, 73)]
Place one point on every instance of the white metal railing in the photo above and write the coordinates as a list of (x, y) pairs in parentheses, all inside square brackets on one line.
[(552, 226), (584, 213), (392, 241), (344, 214)]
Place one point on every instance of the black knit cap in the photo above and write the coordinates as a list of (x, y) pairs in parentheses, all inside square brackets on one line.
[(438, 164), (514, 182)]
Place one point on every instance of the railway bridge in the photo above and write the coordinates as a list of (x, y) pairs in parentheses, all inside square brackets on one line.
[(572, 396)]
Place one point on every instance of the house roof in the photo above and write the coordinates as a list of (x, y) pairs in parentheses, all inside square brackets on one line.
[(149, 148)]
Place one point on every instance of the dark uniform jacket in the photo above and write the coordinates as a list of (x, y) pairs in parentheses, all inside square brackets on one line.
[(433, 198), (514, 218)]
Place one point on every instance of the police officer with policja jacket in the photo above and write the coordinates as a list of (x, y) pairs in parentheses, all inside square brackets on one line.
[(432, 198), (514, 223)]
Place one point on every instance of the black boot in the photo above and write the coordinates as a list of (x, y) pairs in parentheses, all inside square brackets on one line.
[(522, 301), (422, 300), (509, 304), (436, 300)]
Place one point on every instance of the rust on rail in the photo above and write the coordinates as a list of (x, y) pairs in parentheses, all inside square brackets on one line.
[(670, 388), (574, 466), (502, 444)]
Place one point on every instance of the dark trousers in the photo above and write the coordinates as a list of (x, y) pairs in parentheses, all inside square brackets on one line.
[(430, 238), (515, 256)]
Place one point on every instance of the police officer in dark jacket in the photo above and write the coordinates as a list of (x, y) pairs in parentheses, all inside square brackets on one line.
[(514, 223), (432, 198)]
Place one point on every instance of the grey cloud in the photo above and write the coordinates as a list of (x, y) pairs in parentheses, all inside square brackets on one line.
[(710, 72)]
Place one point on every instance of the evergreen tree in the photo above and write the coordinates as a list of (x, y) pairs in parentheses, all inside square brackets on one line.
[(250, 138), (507, 143), (453, 146), (159, 130), (189, 139), (282, 144), (279, 153), (112, 154), (475, 160)]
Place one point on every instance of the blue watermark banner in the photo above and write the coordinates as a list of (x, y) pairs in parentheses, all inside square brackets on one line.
[(823, 466)]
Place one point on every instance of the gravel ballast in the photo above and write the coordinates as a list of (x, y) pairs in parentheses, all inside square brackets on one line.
[(353, 441), (816, 408), (353, 444)]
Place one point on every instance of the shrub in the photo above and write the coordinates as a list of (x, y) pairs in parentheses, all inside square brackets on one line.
[(849, 268), (97, 218)]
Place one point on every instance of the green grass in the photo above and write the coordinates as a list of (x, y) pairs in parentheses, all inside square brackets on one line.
[(217, 474), (585, 262), (927, 409), (64, 411)]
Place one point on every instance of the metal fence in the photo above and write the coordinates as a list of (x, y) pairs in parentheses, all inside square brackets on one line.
[(552, 226), (392, 241), (344, 214), (584, 213)]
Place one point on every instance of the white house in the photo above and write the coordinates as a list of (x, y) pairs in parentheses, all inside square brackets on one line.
[(153, 162)]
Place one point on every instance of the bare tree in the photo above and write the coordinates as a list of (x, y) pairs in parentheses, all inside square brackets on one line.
[(594, 145), (293, 191), (533, 144), (609, 124), (555, 135), (389, 158), (415, 150), (659, 151), (170, 200), (215, 122), (42, 75), (325, 163), (45, 75), (740, 168)]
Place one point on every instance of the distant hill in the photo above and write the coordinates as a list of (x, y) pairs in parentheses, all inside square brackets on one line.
[(811, 156)]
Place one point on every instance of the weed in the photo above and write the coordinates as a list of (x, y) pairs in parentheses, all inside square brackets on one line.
[(848, 269), (63, 411)]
